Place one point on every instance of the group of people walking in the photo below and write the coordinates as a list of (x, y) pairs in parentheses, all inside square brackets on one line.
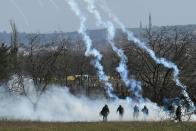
[(120, 110)]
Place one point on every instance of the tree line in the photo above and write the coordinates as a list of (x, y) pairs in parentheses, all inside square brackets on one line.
[(62, 61)]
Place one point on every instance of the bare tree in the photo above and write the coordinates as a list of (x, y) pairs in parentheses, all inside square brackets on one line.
[(157, 80)]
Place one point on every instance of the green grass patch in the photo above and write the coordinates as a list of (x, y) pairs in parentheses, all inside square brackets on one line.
[(98, 126)]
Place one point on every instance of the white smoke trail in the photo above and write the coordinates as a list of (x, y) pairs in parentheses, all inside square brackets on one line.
[(92, 51), (133, 85), (20, 11), (54, 4), (163, 61)]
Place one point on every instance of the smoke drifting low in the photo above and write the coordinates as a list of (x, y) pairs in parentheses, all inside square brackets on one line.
[(58, 104)]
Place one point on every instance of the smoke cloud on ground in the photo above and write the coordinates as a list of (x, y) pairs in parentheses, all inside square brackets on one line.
[(58, 104)]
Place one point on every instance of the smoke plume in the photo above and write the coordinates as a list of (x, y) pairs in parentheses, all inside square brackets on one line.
[(163, 61), (132, 84), (92, 51)]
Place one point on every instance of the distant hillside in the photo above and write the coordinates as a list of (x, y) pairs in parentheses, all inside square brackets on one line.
[(97, 35)]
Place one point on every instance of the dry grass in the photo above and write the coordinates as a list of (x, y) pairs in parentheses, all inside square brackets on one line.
[(97, 126)]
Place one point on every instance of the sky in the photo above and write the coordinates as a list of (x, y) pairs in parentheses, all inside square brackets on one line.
[(55, 15)]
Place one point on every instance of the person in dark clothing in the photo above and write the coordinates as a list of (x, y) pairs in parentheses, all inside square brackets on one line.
[(145, 112), (120, 109), (178, 113), (135, 112), (104, 112)]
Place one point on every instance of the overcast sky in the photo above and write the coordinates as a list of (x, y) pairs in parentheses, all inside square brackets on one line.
[(48, 16)]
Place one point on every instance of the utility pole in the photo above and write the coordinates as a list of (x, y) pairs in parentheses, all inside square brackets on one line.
[(141, 25), (150, 22)]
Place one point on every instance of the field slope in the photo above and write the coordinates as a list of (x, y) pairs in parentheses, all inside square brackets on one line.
[(97, 126)]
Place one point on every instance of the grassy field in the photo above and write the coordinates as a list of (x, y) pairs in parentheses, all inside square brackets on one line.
[(97, 126)]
